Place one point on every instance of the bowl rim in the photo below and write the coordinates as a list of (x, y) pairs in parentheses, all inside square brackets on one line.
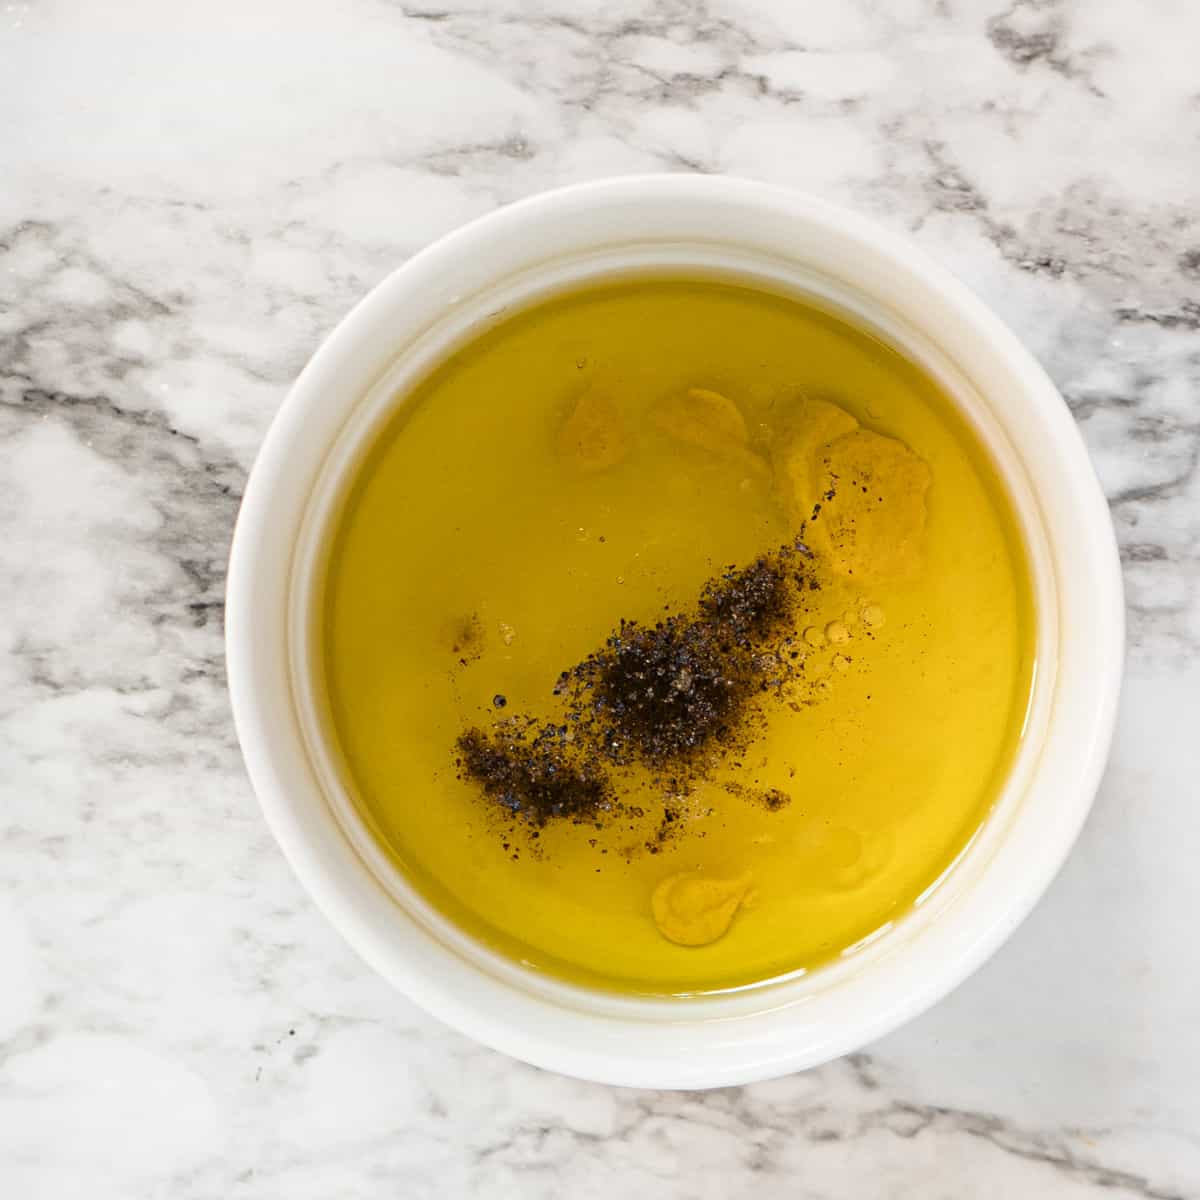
[(712, 1046)]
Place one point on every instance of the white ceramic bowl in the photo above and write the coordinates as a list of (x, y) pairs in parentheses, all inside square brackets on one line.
[(791, 243)]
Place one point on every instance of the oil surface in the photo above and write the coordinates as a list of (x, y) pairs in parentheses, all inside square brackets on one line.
[(492, 538)]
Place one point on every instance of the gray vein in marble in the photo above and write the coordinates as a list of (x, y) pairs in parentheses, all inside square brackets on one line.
[(1030, 32)]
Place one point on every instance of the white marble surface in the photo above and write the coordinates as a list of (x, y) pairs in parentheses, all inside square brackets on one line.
[(190, 196)]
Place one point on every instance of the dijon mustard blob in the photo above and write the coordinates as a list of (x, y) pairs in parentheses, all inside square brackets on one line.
[(872, 522), (806, 427), (694, 910), (711, 422), (593, 437), (675, 635)]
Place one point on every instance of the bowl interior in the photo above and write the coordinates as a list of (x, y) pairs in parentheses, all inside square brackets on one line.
[(467, 321)]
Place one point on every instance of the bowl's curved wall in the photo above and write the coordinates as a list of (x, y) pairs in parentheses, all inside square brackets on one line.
[(787, 241)]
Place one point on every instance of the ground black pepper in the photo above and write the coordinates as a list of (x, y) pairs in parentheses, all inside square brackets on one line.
[(529, 770), (664, 695), (673, 697)]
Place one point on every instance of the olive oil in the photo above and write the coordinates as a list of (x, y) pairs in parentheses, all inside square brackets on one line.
[(604, 456)]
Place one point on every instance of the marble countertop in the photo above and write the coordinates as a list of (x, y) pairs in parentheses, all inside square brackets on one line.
[(191, 196)]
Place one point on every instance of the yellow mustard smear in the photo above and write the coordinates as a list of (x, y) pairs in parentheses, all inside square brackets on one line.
[(695, 910)]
